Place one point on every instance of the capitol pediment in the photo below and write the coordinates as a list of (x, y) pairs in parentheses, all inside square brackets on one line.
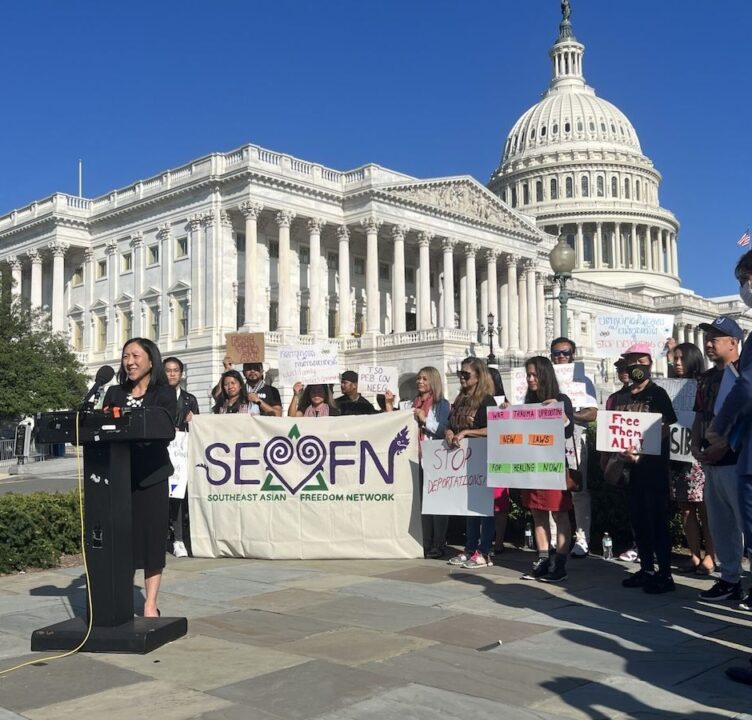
[(462, 198)]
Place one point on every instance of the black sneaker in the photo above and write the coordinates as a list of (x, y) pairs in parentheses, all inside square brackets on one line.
[(540, 569), (556, 575), (746, 604), (635, 580), (658, 584), (722, 590)]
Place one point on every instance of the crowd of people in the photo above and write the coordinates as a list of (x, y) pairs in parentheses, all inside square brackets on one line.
[(713, 492)]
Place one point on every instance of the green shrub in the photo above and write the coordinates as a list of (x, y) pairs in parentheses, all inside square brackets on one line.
[(36, 529)]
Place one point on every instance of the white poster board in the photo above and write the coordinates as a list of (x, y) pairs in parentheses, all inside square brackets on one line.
[(615, 332), (682, 393), (305, 488), (618, 431), (526, 447), (576, 391), (454, 479), (377, 379), (178, 449), (308, 364)]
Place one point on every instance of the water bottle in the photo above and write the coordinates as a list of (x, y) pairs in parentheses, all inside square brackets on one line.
[(608, 547), (528, 537)]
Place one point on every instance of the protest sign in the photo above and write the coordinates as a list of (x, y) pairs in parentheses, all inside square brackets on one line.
[(619, 431), (178, 450), (377, 379), (518, 386), (304, 488), (308, 364), (245, 347), (454, 479), (525, 447), (615, 332), (682, 393), (565, 375)]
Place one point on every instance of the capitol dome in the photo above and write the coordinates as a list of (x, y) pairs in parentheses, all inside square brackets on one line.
[(574, 162)]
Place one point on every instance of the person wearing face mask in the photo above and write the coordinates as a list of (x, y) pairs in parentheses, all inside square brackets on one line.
[(648, 489)]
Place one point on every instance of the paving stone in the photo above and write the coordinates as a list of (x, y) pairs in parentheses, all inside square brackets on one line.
[(714, 684), (418, 702), (23, 624), (325, 581), (375, 614), (429, 573), (258, 627), (235, 711), (12, 645), (145, 700), (478, 674), (207, 587), (410, 593), (504, 606), (61, 680), (473, 631), (221, 663), (17, 603), (193, 565), (8, 715), (286, 600), (263, 572), (308, 690), (356, 567), (355, 646), (174, 605)]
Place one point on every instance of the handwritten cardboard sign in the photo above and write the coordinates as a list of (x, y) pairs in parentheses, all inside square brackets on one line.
[(526, 447), (377, 379), (682, 393), (565, 375), (615, 332), (618, 431), (454, 479), (245, 347), (308, 364)]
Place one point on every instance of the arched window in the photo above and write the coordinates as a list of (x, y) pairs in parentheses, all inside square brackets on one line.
[(579, 126), (585, 186), (591, 126), (637, 189), (539, 191), (567, 126), (600, 186), (569, 187), (613, 128), (543, 131), (603, 126), (525, 194), (554, 189), (532, 134), (626, 188), (614, 187), (555, 129)]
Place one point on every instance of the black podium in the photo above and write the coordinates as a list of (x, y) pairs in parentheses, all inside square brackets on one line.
[(107, 439)]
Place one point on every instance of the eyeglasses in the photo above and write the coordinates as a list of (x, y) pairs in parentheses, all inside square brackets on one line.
[(561, 353), (464, 375)]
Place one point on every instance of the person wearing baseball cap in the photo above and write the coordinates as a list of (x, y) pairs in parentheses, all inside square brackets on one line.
[(648, 488)]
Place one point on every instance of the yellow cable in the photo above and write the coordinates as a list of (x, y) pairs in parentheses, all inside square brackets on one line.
[(86, 568)]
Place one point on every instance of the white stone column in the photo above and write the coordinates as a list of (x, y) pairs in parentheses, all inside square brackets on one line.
[(424, 270), (251, 211), (463, 300), (532, 306), (649, 250), (513, 306), (285, 323), (197, 284), (483, 299), (137, 247), (598, 246), (636, 264), (522, 311), (447, 246), (208, 268), (35, 258), (399, 307), (345, 320), (540, 304), (674, 253), (58, 249), (493, 285), (16, 269), (89, 280), (615, 247), (580, 248), (164, 234), (504, 310), (472, 289), (316, 308), (373, 298)]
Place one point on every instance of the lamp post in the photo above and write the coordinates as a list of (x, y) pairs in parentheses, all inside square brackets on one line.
[(490, 331), (562, 259)]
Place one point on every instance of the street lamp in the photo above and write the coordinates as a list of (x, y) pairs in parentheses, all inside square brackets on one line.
[(490, 330), (562, 259)]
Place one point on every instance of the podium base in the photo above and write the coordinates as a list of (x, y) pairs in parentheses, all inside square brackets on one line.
[(140, 635)]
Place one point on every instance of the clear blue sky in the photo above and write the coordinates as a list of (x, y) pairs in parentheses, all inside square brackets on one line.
[(429, 88)]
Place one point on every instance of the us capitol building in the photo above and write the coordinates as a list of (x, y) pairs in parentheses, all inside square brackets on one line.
[(393, 269)]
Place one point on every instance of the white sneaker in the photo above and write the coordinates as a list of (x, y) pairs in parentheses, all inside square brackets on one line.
[(178, 549), (580, 548)]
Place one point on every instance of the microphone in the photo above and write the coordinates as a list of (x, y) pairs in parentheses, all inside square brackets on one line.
[(104, 375)]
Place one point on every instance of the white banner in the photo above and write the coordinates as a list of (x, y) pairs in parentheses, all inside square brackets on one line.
[(615, 332), (526, 447), (618, 431), (304, 488), (682, 393), (178, 450), (308, 364), (454, 479), (377, 379), (575, 390)]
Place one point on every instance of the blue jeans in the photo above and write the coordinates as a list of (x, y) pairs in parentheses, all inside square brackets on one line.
[(480, 533), (745, 506)]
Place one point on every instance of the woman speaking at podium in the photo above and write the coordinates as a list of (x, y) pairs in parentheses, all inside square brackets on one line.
[(142, 382)]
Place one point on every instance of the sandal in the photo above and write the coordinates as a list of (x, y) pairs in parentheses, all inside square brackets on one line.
[(688, 567)]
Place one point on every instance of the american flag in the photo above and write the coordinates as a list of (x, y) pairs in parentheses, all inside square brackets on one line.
[(743, 241)]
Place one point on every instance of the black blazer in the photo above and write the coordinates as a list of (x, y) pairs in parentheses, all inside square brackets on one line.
[(186, 403), (150, 461)]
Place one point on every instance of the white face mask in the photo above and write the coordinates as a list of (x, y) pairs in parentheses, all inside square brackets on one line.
[(745, 293)]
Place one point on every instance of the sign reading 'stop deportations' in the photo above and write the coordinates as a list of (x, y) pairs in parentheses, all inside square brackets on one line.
[(526, 447)]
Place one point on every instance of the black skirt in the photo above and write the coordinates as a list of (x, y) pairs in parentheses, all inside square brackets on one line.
[(150, 512)]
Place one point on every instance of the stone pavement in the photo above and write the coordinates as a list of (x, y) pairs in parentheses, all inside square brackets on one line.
[(384, 639)]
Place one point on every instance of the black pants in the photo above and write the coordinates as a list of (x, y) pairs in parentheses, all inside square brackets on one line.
[(649, 509)]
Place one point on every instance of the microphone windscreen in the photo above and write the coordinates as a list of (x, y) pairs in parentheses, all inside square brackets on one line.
[(104, 375)]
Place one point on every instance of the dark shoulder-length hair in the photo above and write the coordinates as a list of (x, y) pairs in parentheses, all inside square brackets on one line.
[(548, 385), (158, 376), (694, 364), (305, 400), (222, 397)]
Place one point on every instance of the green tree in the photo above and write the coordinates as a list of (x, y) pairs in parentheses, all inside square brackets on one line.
[(38, 372)]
